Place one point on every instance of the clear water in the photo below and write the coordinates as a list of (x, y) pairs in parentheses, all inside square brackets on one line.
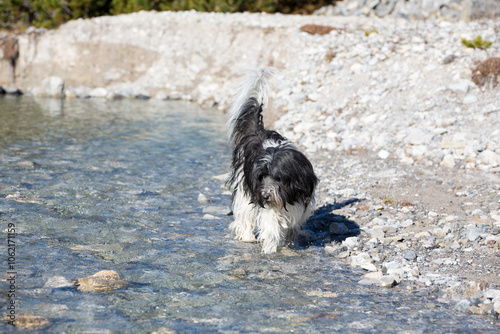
[(95, 184)]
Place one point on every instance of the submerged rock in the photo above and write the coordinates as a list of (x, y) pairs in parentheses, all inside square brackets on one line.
[(104, 280), (30, 321)]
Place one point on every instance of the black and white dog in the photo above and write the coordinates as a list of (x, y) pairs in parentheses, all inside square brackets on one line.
[(272, 182)]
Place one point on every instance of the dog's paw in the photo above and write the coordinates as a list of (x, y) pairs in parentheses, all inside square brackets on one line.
[(247, 238)]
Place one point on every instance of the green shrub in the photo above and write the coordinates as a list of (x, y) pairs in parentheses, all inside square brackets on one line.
[(19, 14)]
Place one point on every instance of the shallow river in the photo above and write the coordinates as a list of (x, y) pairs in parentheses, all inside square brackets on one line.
[(93, 185)]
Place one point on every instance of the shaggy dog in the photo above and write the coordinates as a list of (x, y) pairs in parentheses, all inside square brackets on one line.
[(272, 182)]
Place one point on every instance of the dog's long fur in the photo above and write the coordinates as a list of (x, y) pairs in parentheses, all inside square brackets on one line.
[(272, 182)]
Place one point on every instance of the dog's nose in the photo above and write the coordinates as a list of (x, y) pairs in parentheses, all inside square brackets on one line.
[(265, 196)]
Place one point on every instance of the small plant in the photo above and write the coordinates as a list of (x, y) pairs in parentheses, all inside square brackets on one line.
[(477, 43), (387, 200), (371, 31)]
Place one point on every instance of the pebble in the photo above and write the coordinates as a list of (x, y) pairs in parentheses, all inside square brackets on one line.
[(98, 92), (339, 228), (462, 305), (387, 281), (473, 235), (470, 99), (104, 280), (202, 198), (383, 154), (410, 255), (351, 242), (31, 322)]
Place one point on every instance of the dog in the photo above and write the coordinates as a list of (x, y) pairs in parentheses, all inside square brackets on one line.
[(272, 182)]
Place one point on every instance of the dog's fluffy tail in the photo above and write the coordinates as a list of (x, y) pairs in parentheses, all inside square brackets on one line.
[(253, 89)]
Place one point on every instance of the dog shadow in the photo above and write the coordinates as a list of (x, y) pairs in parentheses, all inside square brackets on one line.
[(324, 226)]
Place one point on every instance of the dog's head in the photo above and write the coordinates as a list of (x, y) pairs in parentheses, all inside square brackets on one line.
[(282, 176)]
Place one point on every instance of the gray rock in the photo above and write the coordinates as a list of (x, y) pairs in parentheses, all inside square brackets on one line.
[(161, 95), (410, 255), (491, 294), (489, 157), (98, 92), (423, 292), (470, 99), (462, 305), (51, 87), (449, 59), (335, 251), (339, 228), (12, 91), (387, 281), (473, 235), (202, 198), (461, 87), (351, 242)]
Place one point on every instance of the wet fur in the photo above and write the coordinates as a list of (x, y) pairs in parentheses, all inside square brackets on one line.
[(272, 182)]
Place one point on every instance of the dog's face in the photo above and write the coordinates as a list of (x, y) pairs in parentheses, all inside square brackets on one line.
[(282, 176), (267, 193)]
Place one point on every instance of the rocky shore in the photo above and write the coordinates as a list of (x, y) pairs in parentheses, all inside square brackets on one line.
[(406, 145)]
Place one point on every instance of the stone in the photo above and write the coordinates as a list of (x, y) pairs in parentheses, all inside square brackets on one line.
[(142, 97), (491, 294), (448, 161), (473, 235), (31, 322), (104, 280), (51, 87), (449, 59), (410, 255), (335, 250), (462, 305), (360, 259), (489, 157), (368, 266), (419, 136), (202, 198), (339, 228), (351, 242), (470, 99), (383, 154), (496, 307), (387, 281), (98, 92), (461, 87), (408, 222), (161, 95)]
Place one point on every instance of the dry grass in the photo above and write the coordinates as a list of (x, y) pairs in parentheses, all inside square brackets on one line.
[(314, 29), (487, 72)]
